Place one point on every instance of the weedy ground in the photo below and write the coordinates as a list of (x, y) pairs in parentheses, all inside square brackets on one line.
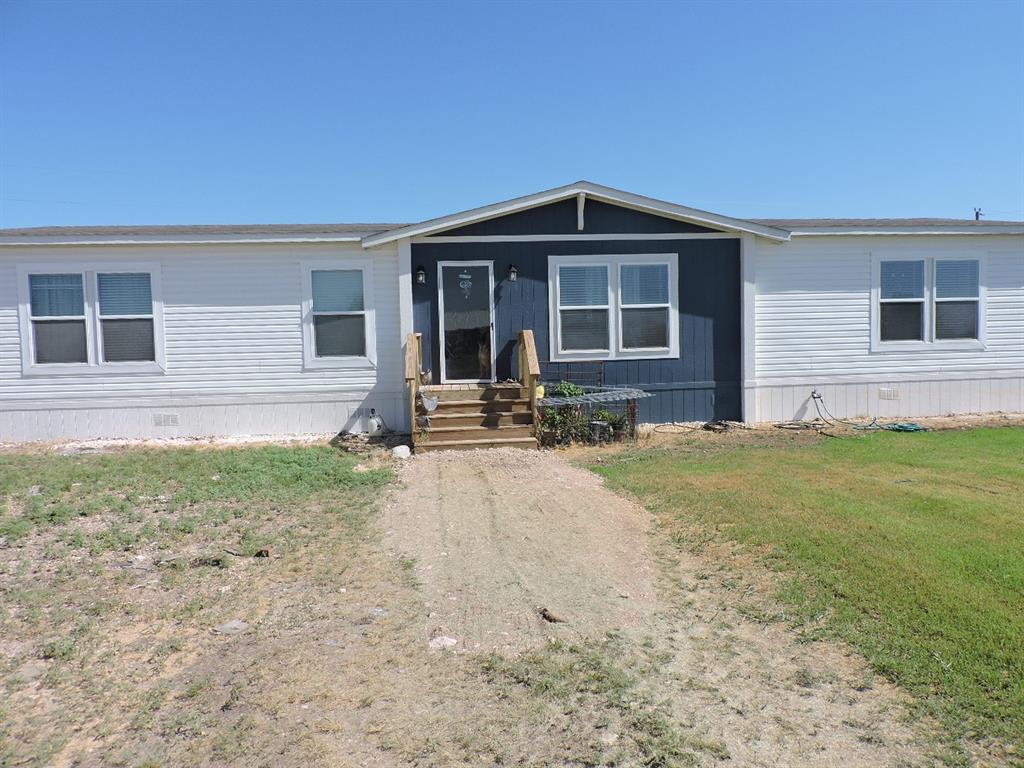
[(117, 567)]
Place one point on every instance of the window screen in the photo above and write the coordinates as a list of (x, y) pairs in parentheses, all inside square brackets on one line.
[(339, 317)]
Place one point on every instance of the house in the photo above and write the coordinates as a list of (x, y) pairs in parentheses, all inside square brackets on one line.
[(222, 330)]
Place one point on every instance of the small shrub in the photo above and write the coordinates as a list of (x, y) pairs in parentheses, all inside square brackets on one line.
[(567, 389), (60, 649)]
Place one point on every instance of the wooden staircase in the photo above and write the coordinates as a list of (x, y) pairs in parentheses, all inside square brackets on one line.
[(483, 417), (476, 416)]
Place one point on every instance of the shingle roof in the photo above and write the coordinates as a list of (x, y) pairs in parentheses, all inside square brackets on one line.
[(202, 229), (362, 230), (882, 223)]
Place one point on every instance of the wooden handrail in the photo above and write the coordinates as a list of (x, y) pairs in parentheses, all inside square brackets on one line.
[(413, 364), (529, 369)]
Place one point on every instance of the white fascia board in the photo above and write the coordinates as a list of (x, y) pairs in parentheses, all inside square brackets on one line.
[(598, 192), (178, 240)]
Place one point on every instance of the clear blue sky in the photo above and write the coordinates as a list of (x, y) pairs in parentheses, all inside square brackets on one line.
[(236, 112)]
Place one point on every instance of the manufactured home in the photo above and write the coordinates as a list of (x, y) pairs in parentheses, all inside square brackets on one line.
[(169, 331)]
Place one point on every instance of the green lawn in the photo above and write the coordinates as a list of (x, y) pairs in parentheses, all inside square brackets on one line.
[(910, 547)]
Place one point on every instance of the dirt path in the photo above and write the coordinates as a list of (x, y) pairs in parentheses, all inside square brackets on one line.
[(493, 535), (497, 537)]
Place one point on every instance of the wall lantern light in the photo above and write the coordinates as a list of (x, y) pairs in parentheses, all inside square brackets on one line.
[(421, 276), (513, 272)]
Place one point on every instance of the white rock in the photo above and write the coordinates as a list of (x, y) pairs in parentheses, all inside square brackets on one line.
[(233, 627), (441, 642), (401, 452)]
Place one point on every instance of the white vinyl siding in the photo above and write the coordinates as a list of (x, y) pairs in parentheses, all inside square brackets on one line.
[(813, 309), (234, 344), (612, 307)]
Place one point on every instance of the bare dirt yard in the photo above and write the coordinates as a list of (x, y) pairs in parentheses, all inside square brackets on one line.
[(293, 606)]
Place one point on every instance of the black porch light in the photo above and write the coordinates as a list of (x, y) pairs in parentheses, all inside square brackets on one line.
[(513, 272), (421, 276)]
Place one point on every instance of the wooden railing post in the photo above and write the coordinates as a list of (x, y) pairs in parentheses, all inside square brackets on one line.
[(413, 365), (529, 370)]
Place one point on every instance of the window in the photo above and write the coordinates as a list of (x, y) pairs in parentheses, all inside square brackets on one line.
[(583, 308), (57, 308), (126, 316), (957, 286), (338, 325), (902, 301), (614, 307), (90, 321), (644, 306), (933, 300)]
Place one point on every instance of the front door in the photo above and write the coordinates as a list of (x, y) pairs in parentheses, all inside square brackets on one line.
[(466, 307)]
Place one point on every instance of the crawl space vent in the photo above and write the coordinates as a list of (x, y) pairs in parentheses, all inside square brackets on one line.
[(165, 419), (888, 393)]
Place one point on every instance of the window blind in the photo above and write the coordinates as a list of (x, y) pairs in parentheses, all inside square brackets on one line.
[(644, 283), (56, 295), (124, 293), (956, 279), (583, 286), (902, 279), (337, 290)]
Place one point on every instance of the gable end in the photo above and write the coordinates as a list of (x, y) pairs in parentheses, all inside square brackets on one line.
[(559, 218)]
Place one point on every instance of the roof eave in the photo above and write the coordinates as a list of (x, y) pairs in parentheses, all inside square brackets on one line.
[(52, 240), (904, 231), (606, 194)]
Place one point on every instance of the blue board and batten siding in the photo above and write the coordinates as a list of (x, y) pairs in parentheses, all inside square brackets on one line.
[(560, 219), (702, 384)]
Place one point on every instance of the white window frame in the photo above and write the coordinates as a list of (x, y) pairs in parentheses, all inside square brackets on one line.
[(309, 357), (95, 364), (614, 264), (583, 354), (930, 258)]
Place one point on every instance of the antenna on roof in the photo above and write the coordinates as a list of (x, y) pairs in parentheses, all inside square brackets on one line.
[(978, 214)]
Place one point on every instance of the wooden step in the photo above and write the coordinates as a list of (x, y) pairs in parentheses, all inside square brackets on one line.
[(468, 445), (435, 434), (491, 419), (477, 393), (519, 404)]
